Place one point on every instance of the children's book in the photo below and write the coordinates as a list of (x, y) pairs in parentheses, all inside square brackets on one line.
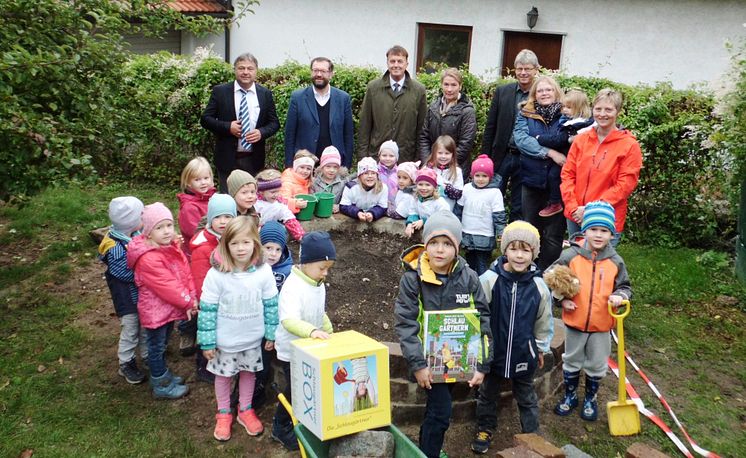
[(452, 344)]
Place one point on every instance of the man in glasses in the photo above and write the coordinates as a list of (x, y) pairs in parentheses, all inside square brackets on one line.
[(498, 133), (319, 116)]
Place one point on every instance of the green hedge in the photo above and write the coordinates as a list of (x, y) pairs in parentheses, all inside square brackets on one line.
[(684, 196)]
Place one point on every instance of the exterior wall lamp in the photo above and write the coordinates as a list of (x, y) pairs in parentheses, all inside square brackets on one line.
[(531, 17)]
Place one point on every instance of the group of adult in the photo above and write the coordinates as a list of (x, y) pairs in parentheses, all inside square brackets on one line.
[(602, 164)]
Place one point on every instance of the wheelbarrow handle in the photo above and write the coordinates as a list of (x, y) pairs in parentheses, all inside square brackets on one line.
[(627, 309)]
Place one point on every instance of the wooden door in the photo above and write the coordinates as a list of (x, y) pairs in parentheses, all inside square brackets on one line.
[(547, 46)]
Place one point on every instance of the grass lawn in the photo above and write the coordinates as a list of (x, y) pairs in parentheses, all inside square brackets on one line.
[(60, 396)]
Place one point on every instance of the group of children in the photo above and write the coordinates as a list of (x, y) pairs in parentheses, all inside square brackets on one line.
[(227, 284)]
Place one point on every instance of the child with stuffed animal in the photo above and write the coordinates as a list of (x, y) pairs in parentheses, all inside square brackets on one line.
[(603, 279)]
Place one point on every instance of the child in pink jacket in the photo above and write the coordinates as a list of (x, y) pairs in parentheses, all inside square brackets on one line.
[(197, 186), (166, 292)]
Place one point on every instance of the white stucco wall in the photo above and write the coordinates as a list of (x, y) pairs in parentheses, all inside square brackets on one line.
[(627, 40)]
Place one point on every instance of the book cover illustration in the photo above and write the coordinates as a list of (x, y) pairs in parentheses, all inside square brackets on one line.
[(452, 344), (355, 385)]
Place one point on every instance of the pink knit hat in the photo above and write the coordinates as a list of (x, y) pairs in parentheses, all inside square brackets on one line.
[(330, 156), (483, 164), (410, 168), (152, 215), (366, 164), (428, 175)]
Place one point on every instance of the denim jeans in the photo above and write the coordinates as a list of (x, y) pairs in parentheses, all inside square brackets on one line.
[(525, 397), (437, 419), (574, 228), (510, 171), (478, 260), (157, 343), (552, 229)]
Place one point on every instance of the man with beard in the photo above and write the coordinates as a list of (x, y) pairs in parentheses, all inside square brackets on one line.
[(319, 116)]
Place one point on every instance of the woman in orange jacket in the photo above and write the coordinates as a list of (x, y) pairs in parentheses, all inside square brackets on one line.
[(603, 164)]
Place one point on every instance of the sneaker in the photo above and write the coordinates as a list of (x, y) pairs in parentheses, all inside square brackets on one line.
[(551, 210), (223, 422), (481, 443), (286, 437), (187, 345), (248, 419), (131, 373)]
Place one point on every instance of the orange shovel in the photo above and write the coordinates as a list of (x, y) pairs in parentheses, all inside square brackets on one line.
[(624, 418)]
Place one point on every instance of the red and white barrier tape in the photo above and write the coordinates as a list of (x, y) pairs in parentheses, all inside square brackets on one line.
[(634, 397), (654, 389)]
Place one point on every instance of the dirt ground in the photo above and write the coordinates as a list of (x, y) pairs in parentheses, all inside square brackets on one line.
[(361, 291)]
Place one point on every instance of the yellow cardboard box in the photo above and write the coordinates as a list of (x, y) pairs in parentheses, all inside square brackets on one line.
[(340, 385)]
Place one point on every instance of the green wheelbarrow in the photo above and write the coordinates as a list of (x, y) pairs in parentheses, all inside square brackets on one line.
[(312, 447)]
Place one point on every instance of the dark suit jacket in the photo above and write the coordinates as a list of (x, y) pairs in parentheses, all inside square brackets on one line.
[(221, 111), (302, 124), (500, 121)]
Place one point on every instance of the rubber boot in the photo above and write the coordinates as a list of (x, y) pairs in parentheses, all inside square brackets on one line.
[(570, 399), (164, 387), (590, 406)]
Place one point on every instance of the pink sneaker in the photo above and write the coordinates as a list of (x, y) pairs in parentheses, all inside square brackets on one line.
[(551, 210), (223, 422), (249, 420)]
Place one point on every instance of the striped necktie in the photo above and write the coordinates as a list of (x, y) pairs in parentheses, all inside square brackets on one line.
[(243, 116)]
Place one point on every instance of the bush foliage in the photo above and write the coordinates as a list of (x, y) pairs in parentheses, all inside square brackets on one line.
[(138, 118)]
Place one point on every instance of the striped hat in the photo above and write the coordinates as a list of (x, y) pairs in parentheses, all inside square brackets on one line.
[(599, 214)]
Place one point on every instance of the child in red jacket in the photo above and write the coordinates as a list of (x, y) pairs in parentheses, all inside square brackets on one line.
[(197, 186), (166, 292)]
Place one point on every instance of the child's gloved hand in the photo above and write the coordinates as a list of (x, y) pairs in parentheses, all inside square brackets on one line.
[(424, 378)]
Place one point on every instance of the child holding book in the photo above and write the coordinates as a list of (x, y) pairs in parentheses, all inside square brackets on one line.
[(436, 278), (521, 319)]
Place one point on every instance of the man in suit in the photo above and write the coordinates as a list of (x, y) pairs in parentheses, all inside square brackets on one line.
[(498, 132), (394, 108), (319, 116), (242, 116)]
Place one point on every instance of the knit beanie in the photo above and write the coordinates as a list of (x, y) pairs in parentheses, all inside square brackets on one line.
[(269, 185), (428, 175), (443, 222), (125, 214), (410, 168), (237, 179), (483, 164), (274, 232), (152, 215), (330, 156), (520, 231), (317, 246), (366, 164), (599, 214), (220, 204), (391, 146)]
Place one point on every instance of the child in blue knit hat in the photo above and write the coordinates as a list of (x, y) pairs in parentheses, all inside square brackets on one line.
[(603, 280)]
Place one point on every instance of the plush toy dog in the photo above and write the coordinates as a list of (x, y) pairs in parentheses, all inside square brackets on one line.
[(562, 281)]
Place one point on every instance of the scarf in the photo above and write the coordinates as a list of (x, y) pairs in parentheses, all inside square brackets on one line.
[(548, 112)]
